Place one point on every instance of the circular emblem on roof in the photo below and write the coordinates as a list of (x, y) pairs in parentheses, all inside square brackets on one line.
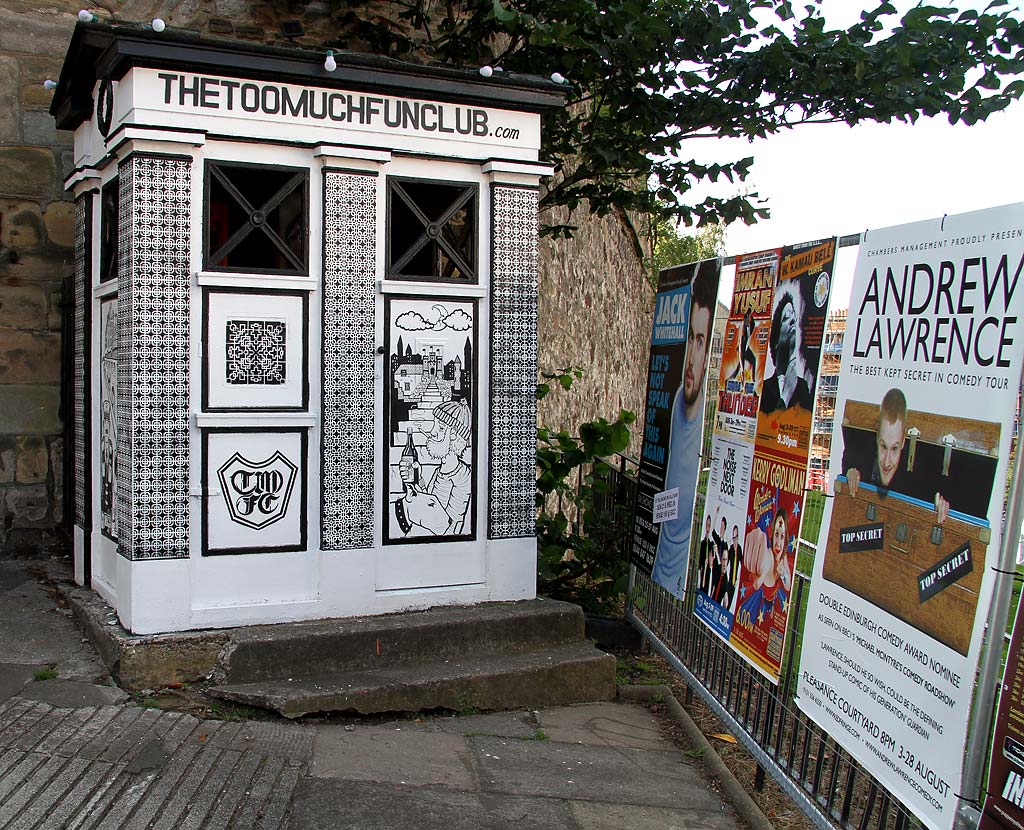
[(105, 106)]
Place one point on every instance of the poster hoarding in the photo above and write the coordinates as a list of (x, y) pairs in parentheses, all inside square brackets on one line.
[(749, 607), (673, 421), (902, 580), (1004, 804)]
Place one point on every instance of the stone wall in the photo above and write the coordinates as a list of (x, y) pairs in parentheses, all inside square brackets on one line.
[(595, 314), (36, 237), (595, 304)]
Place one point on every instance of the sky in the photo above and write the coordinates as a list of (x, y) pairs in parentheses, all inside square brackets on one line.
[(825, 180)]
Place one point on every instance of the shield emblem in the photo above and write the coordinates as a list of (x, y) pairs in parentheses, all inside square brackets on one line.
[(257, 493)]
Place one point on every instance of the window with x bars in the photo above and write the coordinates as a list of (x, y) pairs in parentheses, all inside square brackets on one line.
[(432, 230), (257, 218)]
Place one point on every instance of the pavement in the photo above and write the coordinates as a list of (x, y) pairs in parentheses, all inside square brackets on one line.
[(78, 753)]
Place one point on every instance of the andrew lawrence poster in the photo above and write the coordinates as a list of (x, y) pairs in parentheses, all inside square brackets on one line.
[(673, 422), (903, 575)]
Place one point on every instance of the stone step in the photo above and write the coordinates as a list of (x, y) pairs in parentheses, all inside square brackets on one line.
[(302, 650), (554, 676)]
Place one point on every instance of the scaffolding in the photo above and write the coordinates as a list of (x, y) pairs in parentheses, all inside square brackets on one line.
[(823, 426)]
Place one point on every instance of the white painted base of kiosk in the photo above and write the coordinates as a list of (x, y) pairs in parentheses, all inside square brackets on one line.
[(160, 596)]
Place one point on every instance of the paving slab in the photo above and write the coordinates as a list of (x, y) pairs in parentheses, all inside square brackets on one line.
[(593, 773), (12, 574), (33, 631), (321, 804), (502, 724), (72, 694), (13, 676), (393, 755), (594, 816), (604, 724)]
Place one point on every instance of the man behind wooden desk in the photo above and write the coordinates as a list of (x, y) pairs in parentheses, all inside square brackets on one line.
[(887, 470)]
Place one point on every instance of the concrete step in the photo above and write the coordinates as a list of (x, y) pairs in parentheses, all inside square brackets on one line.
[(553, 676), (325, 647)]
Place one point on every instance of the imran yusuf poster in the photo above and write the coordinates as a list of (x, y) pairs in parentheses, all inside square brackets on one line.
[(670, 462), (903, 577)]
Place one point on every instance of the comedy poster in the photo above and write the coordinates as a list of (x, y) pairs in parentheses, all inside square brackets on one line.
[(1004, 804), (744, 352), (781, 454), (673, 421), (903, 576)]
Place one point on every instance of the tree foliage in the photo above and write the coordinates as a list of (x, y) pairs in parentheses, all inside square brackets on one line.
[(670, 247), (647, 76)]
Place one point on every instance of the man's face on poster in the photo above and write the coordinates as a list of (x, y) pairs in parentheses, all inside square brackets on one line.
[(696, 353), (787, 332), (891, 437), (707, 526), (735, 534)]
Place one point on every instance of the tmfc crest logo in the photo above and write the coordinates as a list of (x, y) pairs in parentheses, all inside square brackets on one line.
[(257, 494)]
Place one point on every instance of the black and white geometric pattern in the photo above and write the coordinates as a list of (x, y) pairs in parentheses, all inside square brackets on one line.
[(347, 452), (153, 371), (255, 352), (513, 431), (80, 289)]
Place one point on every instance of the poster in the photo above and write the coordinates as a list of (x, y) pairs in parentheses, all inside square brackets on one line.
[(903, 577), (684, 315), (744, 352), (1004, 804), (748, 603)]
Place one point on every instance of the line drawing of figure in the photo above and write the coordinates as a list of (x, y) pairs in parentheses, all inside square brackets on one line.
[(439, 506), (766, 559)]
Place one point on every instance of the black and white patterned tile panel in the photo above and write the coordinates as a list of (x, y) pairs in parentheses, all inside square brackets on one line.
[(513, 417), (81, 289), (153, 370), (347, 444)]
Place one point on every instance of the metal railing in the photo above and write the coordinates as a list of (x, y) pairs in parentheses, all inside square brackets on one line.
[(831, 788)]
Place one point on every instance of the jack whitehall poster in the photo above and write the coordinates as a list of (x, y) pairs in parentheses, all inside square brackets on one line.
[(903, 575), (684, 315), (747, 556)]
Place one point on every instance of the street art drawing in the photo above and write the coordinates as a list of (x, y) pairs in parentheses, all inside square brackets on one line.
[(430, 423), (108, 417)]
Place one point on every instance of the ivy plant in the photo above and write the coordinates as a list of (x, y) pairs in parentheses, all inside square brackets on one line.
[(582, 544)]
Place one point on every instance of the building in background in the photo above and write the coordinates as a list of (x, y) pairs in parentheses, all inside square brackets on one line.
[(823, 426)]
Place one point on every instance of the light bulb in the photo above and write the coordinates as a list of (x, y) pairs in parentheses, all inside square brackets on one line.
[(558, 78), (158, 25), (330, 64), (486, 71), (86, 16), (48, 84)]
